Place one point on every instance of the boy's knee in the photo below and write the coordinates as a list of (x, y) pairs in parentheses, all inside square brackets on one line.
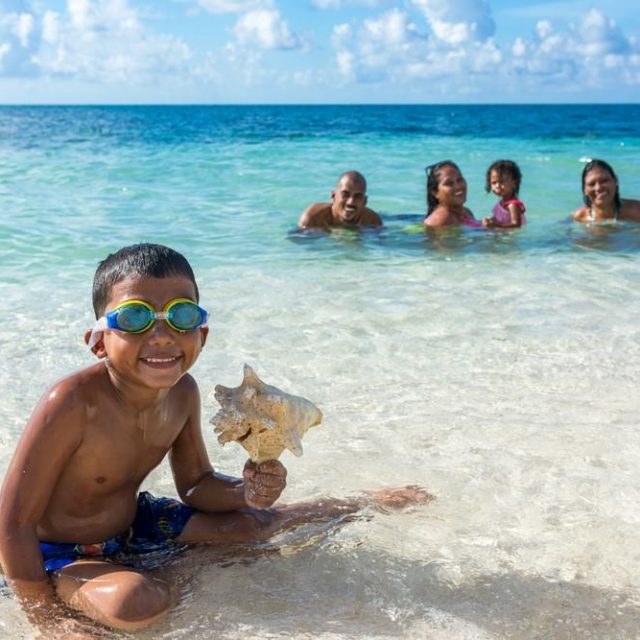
[(124, 600), (142, 601)]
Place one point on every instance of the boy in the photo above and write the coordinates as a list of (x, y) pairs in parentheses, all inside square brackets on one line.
[(70, 501)]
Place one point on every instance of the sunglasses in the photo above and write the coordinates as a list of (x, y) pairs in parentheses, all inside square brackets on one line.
[(437, 165), (137, 316)]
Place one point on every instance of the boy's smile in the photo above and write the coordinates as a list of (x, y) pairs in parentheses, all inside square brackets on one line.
[(158, 357)]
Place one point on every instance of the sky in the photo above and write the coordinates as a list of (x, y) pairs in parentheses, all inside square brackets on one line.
[(318, 51)]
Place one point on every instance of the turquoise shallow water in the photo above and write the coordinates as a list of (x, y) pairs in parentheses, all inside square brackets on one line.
[(498, 369)]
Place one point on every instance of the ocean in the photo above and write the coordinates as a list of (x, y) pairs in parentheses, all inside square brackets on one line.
[(497, 369)]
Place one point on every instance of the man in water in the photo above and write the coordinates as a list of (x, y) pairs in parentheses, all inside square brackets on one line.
[(346, 209)]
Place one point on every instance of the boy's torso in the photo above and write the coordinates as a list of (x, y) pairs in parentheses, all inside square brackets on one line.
[(95, 496)]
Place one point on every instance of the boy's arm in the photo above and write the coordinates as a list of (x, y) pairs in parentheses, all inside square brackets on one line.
[(204, 489), (52, 434)]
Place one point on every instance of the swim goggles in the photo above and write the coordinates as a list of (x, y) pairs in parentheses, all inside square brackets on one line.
[(138, 316)]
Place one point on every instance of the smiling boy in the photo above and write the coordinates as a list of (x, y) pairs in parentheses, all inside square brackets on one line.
[(70, 505)]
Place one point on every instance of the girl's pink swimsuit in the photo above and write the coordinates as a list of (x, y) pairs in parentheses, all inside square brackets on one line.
[(502, 215)]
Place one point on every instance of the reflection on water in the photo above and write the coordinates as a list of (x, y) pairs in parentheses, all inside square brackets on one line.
[(405, 234), (328, 587)]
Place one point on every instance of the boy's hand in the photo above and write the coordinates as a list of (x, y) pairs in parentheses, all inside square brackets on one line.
[(263, 483)]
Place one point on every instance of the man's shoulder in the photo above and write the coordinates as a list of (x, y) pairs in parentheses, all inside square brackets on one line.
[(315, 215), (371, 217)]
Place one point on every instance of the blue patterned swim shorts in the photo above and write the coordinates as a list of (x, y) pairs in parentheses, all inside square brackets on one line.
[(158, 522)]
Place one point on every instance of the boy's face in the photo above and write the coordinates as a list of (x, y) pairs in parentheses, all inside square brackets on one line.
[(160, 356)]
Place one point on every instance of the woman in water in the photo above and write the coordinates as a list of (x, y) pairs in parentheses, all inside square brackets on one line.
[(446, 195), (602, 201)]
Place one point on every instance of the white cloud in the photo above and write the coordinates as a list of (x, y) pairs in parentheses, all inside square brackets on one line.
[(105, 41), (345, 60), (337, 4), (50, 27), (233, 6), (456, 22), (265, 29), (18, 25), (80, 14), (19, 39), (459, 51), (584, 54), (384, 47), (4, 50)]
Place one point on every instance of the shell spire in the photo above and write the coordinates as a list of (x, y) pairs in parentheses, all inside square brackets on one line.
[(264, 419)]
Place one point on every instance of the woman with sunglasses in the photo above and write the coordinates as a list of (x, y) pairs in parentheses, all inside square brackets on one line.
[(446, 195)]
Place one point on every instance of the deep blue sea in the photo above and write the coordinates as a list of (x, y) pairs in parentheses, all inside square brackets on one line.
[(498, 369)]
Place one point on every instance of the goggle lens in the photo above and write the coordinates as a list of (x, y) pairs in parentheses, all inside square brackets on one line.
[(134, 318), (137, 316), (185, 316)]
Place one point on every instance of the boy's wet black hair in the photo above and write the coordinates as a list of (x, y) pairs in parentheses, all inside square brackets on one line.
[(605, 166), (505, 167), (143, 260), (433, 178)]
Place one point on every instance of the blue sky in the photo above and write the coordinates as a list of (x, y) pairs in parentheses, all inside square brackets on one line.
[(318, 51)]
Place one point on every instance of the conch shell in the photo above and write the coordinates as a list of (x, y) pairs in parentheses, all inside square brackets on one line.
[(264, 419)]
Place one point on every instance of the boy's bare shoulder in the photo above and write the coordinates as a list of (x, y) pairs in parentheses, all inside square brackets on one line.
[(188, 385), (76, 389)]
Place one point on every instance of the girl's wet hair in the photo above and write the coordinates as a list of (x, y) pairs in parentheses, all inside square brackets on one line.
[(434, 172), (605, 166), (139, 260), (508, 168)]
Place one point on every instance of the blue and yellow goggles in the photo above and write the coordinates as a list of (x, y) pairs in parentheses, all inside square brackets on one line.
[(138, 316)]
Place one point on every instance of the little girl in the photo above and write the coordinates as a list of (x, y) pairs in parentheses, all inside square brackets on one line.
[(446, 195), (503, 179)]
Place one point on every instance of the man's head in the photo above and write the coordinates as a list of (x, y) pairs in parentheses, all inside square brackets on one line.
[(154, 260), (349, 198)]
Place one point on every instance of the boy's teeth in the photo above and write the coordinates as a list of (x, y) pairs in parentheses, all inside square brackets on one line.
[(159, 359)]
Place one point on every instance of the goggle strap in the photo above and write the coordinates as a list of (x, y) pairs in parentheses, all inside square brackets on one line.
[(96, 332)]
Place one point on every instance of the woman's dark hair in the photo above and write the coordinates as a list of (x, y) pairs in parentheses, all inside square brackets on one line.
[(505, 167), (154, 260), (605, 166), (433, 178)]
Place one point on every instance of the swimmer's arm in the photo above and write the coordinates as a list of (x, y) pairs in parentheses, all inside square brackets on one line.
[(515, 213), (203, 488), (52, 434)]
